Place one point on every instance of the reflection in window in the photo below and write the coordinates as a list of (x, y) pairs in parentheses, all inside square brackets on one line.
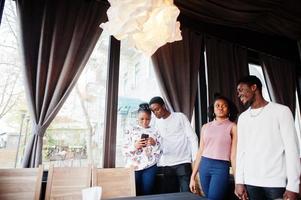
[(137, 84), (256, 70), (75, 137)]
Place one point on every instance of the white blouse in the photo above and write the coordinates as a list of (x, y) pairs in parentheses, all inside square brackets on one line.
[(141, 158)]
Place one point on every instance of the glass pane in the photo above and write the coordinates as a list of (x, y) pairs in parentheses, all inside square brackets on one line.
[(256, 70), (75, 137), (137, 84), (298, 120), (14, 118)]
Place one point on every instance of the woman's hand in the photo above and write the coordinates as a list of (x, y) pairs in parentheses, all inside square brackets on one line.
[(192, 185), (151, 141), (139, 144)]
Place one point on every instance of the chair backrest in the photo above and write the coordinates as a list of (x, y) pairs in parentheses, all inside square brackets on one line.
[(115, 182), (20, 183), (67, 182)]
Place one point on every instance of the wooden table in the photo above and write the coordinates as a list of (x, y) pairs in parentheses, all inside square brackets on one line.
[(169, 196)]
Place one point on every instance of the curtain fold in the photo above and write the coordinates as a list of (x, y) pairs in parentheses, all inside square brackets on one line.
[(58, 37), (282, 87), (177, 66), (2, 3), (281, 17), (299, 48), (226, 64), (299, 75)]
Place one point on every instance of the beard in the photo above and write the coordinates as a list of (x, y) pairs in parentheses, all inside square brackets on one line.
[(249, 103)]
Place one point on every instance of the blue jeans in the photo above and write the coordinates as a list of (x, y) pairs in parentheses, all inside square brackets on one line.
[(265, 193), (214, 177), (145, 180)]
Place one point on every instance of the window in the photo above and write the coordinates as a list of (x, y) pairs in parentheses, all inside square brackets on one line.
[(14, 117), (137, 84), (75, 137), (298, 120), (256, 70)]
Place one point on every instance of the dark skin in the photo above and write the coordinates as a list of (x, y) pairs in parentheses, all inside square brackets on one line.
[(144, 120), (250, 95), (159, 111)]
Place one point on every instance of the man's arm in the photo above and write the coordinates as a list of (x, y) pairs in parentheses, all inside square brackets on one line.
[(239, 176), (291, 148), (191, 135), (240, 189)]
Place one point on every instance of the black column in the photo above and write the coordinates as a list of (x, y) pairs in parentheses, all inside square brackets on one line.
[(110, 126)]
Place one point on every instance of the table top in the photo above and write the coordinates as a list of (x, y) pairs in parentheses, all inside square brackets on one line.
[(169, 196)]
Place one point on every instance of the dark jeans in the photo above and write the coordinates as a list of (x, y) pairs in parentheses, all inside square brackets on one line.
[(214, 177), (176, 178), (145, 180), (264, 193)]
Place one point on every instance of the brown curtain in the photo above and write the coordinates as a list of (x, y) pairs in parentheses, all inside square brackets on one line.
[(299, 48), (281, 80), (177, 66), (226, 64), (2, 3), (299, 75), (281, 17), (58, 37), (299, 89)]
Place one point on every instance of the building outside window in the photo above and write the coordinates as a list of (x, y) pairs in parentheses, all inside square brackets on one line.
[(14, 116), (75, 137), (137, 84)]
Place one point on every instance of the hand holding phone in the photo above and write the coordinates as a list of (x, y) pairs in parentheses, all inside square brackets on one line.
[(142, 142), (144, 139), (144, 136)]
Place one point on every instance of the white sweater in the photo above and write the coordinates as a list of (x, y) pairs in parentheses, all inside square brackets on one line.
[(179, 141), (267, 148)]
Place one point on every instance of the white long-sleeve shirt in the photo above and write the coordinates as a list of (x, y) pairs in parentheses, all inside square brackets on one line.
[(179, 141), (267, 148)]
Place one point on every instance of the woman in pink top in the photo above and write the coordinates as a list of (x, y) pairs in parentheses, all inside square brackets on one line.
[(217, 150)]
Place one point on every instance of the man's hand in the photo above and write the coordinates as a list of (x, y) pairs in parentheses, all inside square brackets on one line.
[(241, 192), (289, 195)]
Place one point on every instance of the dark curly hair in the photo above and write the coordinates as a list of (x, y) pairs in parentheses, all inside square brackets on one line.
[(144, 107), (157, 100), (250, 80), (233, 111)]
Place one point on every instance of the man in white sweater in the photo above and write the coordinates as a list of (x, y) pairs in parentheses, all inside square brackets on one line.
[(179, 146), (267, 162)]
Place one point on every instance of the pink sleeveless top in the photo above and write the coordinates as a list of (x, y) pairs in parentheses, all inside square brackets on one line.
[(217, 140)]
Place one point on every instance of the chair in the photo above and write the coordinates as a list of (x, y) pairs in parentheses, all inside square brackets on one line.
[(20, 183), (67, 182), (115, 182)]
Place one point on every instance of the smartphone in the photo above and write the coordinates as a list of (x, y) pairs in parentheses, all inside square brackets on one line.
[(144, 136)]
